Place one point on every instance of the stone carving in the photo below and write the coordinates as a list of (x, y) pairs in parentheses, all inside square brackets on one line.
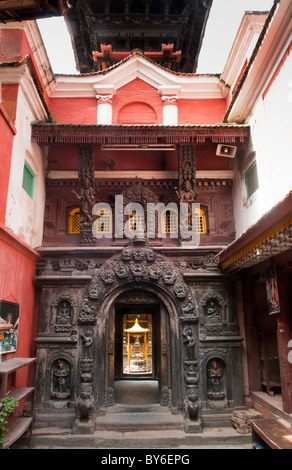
[(84, 411), (110, 396), (189, 340), (215, 375), (180, 290), (87, 341), (192, 404), (137, 262), (87, 314), (213, 309), (86, 371), (191, 375), (60, 386), (189, 309), (63, 313), (164, 401)]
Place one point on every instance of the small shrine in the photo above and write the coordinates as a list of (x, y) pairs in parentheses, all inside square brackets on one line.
[(137, 349)]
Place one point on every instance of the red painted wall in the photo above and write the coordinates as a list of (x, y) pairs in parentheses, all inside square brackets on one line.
[(201, 111), (14, 47), (146, 105), (7, 133), (17, 263), (74, 110)]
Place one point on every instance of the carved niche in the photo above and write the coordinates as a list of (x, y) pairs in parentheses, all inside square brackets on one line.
[(213, 314), (63, 312), (61, 380), (216, 379)]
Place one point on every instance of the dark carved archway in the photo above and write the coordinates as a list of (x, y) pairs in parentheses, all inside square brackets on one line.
[(139, 267)]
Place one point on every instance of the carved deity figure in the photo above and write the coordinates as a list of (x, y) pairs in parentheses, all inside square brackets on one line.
[(60, 384), (87, 198), (87, 344), (63, 313), (189, 340), (215, 374)]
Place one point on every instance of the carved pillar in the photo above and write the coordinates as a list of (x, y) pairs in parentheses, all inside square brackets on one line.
[(186, 192), (192, 404), (187, 173), (87, 193), (284, 336)]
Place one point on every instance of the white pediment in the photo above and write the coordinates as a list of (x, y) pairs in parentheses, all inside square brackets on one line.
[(109, 81)]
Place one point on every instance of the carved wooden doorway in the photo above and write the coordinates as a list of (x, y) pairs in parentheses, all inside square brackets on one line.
[(139, 329)]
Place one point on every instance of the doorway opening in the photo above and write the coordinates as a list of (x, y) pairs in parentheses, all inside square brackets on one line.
[(140, 365)]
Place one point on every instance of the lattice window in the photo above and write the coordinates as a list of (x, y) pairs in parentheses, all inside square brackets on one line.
[(169, 221), (104, 221), (136, 219), (74, 221), (200, 221)]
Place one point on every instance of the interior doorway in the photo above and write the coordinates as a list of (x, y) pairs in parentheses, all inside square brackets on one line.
[(268, 343), (141, 359)]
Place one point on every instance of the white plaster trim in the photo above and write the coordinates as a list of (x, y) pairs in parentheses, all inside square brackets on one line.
[(185, 86), (273, 47), (21, 76)]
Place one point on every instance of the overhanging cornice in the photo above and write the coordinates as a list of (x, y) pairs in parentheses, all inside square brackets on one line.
[(270, 236), (46, 133)]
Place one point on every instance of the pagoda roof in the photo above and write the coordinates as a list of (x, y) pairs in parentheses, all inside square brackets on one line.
[(146, 25)]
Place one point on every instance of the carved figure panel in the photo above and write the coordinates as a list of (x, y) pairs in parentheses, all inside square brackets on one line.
[(216, 376), (61, 380)]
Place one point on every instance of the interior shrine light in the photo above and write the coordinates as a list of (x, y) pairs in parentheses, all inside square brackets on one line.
[(226, 150), (138, 147)]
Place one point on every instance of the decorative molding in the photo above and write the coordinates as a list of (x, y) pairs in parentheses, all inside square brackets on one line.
[(45, 133)]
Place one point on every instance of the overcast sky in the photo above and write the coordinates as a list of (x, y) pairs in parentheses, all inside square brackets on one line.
[(223, 23)]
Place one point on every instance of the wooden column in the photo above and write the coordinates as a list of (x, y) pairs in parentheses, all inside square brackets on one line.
[(252, 344), (284, 335)]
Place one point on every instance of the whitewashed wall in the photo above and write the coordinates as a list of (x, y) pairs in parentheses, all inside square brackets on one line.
[(25, 215), (271, 130)]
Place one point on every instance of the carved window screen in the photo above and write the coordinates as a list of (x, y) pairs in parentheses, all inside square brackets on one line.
[(200, 221), (104, 221), (169, 221), (74, 221), (136, 219)]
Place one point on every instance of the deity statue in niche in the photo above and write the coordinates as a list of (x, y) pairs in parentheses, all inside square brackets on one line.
[(216, 379), (212, 309), (63, 316), (61, 380), (87, 343), (189, 340)]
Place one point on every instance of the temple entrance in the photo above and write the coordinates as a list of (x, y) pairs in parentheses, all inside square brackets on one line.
[(141, 352)]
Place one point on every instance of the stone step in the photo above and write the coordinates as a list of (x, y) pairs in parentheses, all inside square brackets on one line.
[(56, 438), (139, 418)]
